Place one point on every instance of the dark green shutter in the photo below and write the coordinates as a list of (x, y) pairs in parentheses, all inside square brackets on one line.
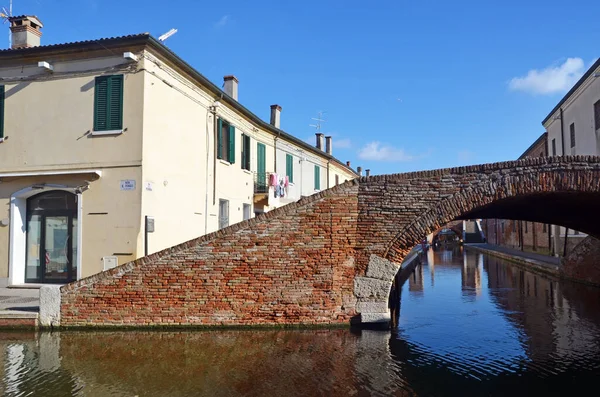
[(289, 167), (108, 103), (101, 104), (246, 152), (317, 178), (115, 104), (220, 139), (1, 111), (261, 165), (231, 144)]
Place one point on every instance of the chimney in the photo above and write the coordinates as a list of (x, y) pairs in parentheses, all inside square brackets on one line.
[(319, 140), (368, 172), (359, 171), (25, 31), (276, 116), (328, 144), (230, 86), (348, 164)]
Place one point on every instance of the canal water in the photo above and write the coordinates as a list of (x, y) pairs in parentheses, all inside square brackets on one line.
[(469, 324)]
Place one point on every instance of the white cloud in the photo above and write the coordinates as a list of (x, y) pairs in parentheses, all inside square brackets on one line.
[(223, 21), (342, 143), (375, 151), (553, 79)]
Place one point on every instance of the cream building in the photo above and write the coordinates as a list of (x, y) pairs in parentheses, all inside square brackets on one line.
[(113, 147), (573, 128)]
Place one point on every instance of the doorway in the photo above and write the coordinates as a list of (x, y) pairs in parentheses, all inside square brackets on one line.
[(51, 248)]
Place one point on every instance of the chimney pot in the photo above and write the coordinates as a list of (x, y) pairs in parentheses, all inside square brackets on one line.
[(319, 140), (348, 164), (359, 171), (25, 31), (230, 86), (328, 147), (276, 116), (368, 172)]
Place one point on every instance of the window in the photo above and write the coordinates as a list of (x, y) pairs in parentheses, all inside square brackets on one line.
[(597, 115), (108, 103), (572, 129), (544, 228), (337, 180), (223, 213), (245, 152), (541, 154), (502, 225), (554, 147), (225, 141), (526, 228), (247, 211), (317, 178), (289, 167)]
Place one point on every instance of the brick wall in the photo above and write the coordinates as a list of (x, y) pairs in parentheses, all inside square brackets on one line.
[(582, 262), (291, 265), (300, 263)]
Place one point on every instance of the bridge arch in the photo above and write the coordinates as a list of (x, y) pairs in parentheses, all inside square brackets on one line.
[(406, 207)]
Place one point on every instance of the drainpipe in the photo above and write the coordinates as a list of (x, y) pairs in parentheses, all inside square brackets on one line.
[(207, 165), (215, 132), (327, 174), (275, 154), (562, 133)]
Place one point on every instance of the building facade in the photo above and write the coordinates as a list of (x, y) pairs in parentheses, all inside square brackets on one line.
[(113, 148)]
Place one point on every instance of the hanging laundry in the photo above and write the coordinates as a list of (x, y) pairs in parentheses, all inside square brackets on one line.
[(287, 181), (273, 179)]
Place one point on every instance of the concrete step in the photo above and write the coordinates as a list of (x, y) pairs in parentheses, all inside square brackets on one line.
[(11, 319)]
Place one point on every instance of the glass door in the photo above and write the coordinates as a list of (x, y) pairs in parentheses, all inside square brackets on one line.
[(51, 238)]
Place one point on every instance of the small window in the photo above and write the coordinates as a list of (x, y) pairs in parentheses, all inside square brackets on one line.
[(544, 228), (289, 167), (597, 115), (247, 211), (541, 154), (1, 111), (502, 226), (108, 103), (223, 213), (572, 130), (246, 152), (554, 147), (526, 228), (225, 141), (317, 178)]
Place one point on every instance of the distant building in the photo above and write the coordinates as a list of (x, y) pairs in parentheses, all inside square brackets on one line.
[(96, 136)]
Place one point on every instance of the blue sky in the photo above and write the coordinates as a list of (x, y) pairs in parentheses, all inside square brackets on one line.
[(406, 85)]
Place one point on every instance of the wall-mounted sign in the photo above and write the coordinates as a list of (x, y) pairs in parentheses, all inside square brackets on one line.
[(128, 184), (149, 186)]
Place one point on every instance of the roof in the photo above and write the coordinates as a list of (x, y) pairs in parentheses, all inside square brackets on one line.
[(526, 153), (572, 90), (147, 40)]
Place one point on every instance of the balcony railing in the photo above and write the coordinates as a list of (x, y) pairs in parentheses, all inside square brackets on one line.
[(261, 182)]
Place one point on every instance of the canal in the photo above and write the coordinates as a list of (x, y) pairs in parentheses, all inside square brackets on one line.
[(469, 324)]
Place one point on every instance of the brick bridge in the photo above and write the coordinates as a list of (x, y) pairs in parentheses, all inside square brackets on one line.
[(328, 258)]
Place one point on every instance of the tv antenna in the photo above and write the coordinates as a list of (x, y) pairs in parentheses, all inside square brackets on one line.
[(165, 36), (318, 120), (6, 15)]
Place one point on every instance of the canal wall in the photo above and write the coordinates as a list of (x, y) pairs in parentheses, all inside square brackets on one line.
[(581, 264), (533, 265)]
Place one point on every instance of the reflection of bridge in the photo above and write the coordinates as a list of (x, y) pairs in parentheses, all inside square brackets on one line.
[(330, 256)]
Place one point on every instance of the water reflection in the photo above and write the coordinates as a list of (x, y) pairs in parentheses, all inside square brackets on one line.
[(477, 327)]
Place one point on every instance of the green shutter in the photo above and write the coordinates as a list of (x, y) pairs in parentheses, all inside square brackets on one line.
[(108, 103), (261, 164), (231, 144), (101, 104), (317, 178), (246, 152), (289, 167), (1, 111), (115, 103), (220, 139)]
